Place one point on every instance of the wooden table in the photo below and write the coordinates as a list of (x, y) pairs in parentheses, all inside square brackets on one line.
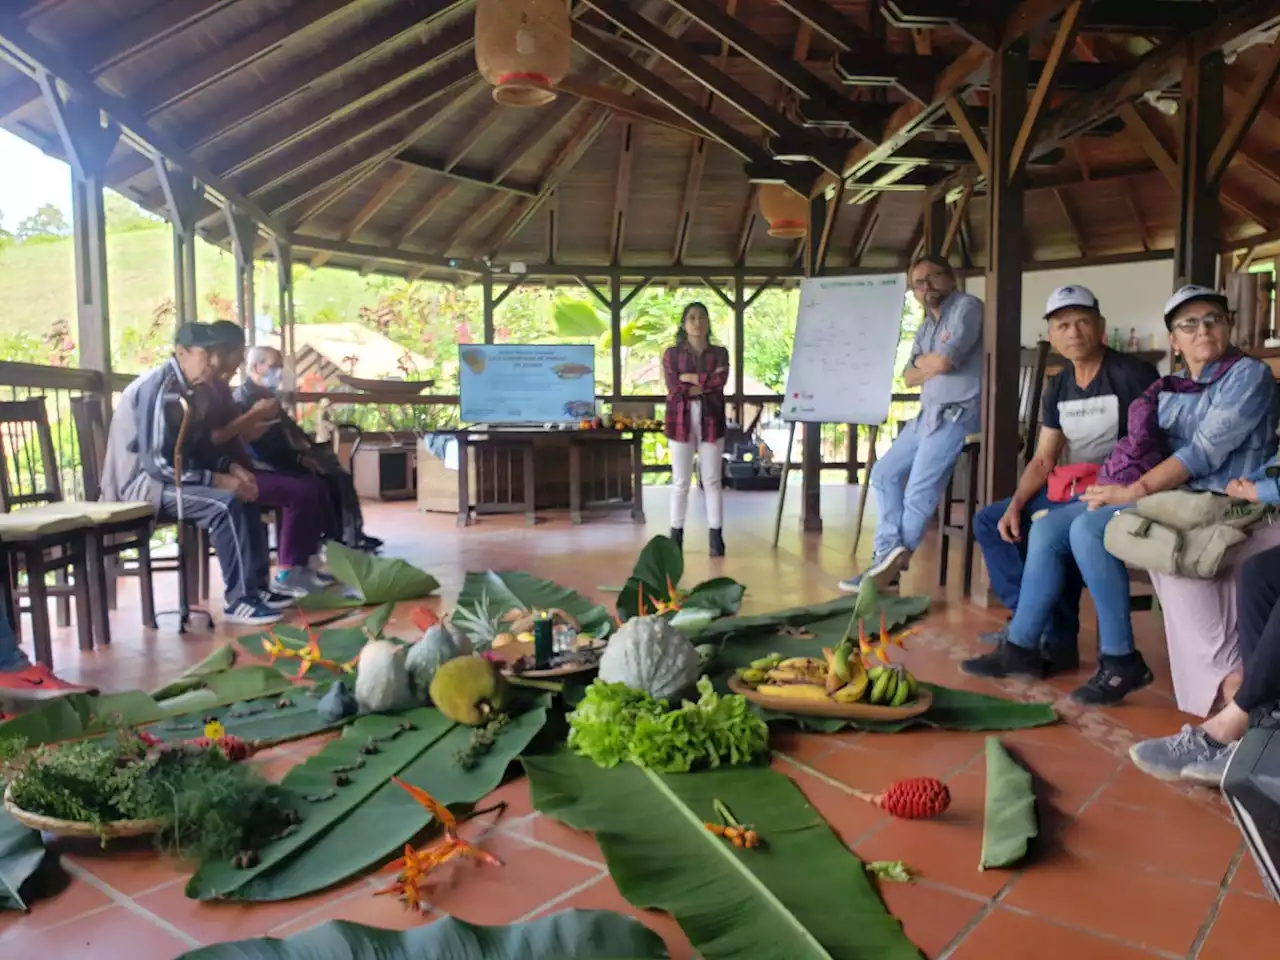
[(525, 470)]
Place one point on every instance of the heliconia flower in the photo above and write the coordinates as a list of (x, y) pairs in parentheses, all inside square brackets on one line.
[(424, 618)]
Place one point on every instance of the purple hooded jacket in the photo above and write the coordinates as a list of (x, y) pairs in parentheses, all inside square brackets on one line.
[(1145, 446)]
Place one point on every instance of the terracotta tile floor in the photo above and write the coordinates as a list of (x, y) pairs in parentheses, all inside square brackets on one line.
[(1128, 867)]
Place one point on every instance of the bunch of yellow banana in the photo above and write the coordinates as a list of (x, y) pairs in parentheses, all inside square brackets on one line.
[(891, 686), (839, 676)]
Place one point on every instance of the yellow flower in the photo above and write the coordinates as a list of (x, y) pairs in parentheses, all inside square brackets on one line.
[(214, 730)]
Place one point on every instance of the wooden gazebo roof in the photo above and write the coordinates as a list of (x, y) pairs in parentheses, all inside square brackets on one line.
[(360, 130)]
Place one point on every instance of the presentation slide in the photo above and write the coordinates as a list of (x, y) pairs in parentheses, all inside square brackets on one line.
[(517, 383)]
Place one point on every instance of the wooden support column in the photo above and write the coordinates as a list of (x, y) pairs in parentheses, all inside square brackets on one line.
[(182, 196), (1199, 221), (87, 143), (615, 334), (739, 349), (284, 290), (486, 285), (1002, 318), (244, 236), (811, 445)]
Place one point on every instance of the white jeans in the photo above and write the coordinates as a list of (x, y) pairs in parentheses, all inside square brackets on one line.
[(710, 466)]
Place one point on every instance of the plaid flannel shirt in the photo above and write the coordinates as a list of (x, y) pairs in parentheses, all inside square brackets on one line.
[(712, 369)]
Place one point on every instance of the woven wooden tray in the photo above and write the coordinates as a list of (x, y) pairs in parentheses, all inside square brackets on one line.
[(76, 828), (851, 711), (514, 651)]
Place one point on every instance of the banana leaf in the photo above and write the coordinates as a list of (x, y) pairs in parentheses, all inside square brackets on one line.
[(240, 683), (801, 894), (658, 571), (389, 818), (582, 934), (370, 580), (951, 710), (221, 660), (898, 610), (81, 715), (338, 644), (1009, 815), (21, 854), (260, 723), (513, 589)]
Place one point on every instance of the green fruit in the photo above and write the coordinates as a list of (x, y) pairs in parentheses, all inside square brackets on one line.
[(912, 685), (468, 690), (842, 662), (876, 672), (753, 675), (767, 663), (900, 695), (880, 687)]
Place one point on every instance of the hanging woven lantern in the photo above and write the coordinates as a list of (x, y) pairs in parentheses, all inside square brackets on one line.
[(786, 211), (522, 49)]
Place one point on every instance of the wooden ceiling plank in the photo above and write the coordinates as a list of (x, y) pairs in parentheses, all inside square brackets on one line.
[(553, 226), (1073, 223), (864, 231), (828, 21), (424, 213), (1063, 39), (408, 257), (621, 192), (747, 226), (1141, 131), (473, 136), (1031, 15), (689, 199), (1138, 219), (474, 221), (478, 178), (1251, 158), (629, 105), (19, 46), (1245, 113), (393, 185), (548, 120)]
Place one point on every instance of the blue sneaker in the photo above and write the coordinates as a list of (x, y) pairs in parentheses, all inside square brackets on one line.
[(250, 613), (295, 582)]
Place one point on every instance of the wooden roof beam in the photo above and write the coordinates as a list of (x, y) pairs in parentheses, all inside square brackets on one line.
[(424, 213), (24, 50), (471, 227), (1245, 113), (689, 199), (864, 231), (824, 105), (1059, 50), (364, 251), (1073, 223), (415, 158), (1135, 211), (800, 144), (973, 139), (548, 120), (390, 187), (621, 192), (958, 212), (630, 105)]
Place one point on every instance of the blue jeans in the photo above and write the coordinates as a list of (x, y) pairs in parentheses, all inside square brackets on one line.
[(1006, 563), (11, 657), (908, 480), (1073, 531)]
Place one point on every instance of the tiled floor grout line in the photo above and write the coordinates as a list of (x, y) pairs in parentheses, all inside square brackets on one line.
[(1211, 918), (130, 904), (550, 848), (318, 909), (14, 933), (562, 896), (1152, 951)]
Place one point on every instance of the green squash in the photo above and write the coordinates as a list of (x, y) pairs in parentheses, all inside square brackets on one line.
[(649, 654)]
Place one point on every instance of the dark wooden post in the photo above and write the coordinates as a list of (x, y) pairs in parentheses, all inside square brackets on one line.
[(1199, 221), (87, 143), (486, 285), (244, 235), (284, 295), (935, 223), (182, 195), (615, 333), (739, 347), (1002, 318), (811, 446)]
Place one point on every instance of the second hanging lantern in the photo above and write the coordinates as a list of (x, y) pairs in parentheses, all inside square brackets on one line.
[(523, 49), (786, 211)]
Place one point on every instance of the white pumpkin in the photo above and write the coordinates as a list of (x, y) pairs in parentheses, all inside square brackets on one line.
[(382, 682), (648, 654)]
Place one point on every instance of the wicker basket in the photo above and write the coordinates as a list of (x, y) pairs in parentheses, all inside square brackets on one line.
[(786, 211), (74, 828), (523, 49)]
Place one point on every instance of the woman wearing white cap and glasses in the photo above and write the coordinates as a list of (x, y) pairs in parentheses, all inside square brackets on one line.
[(1212, 423)]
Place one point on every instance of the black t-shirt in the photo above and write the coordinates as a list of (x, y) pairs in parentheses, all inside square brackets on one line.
[(1093, 418)]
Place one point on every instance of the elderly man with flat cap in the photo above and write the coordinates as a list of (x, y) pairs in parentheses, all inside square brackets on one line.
[(145, 461)]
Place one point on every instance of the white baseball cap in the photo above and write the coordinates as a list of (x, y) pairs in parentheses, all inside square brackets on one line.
[(1072, 295), (1193, 291)]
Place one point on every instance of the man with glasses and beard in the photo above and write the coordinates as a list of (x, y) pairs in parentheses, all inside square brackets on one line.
[(946, 364)]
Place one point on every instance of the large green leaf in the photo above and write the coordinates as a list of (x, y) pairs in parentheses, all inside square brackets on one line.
[(81, 715), (802, 894), (581, 934), (1009, 815), (240, 683), (951, 710), (658, 569), (371, 579), (577, 319), (316, 778), (21, 855), (721, 595), (289, 715), (389, 818), (222, 659), (512, 589)]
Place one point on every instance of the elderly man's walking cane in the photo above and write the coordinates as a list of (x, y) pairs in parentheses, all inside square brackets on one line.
[(185, 610)]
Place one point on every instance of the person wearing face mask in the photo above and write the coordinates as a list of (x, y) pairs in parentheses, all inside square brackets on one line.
[(1086, 408), (946, 364), (284, 447), (1210, 423), (216, 493)]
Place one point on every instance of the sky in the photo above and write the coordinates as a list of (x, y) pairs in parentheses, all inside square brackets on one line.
[(30, 180)]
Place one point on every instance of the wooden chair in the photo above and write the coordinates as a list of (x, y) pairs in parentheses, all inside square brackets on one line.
[(1030, 390), (118, 527), (36, 536)]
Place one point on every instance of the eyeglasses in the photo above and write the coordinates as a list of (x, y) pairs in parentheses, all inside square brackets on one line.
[(927, 281), (1210, 322)]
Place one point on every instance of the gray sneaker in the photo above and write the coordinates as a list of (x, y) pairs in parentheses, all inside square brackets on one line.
[(1210, 772), (995, 637), (1165, 758)]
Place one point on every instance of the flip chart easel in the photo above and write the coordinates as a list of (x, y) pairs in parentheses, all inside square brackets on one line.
[(842, 362)]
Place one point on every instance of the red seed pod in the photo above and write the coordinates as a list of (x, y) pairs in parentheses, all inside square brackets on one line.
[(915, 799)]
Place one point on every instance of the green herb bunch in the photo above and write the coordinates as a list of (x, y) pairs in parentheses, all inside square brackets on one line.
[(615, 723), (480, 743)]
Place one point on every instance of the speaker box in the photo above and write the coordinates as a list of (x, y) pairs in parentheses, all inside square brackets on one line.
[(1252, 789)]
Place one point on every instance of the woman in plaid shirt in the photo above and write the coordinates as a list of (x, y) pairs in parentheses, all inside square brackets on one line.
[(696, 371)]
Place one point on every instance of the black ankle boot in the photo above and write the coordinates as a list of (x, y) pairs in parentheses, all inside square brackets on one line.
[(717, 542), (677, 536)]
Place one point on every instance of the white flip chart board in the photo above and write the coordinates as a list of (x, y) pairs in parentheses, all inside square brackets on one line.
[(845, 349)]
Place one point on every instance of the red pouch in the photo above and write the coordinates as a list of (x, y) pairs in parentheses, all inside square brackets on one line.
[(1068, 482)]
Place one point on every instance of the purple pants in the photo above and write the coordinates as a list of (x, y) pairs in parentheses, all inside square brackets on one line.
[(303, 500)]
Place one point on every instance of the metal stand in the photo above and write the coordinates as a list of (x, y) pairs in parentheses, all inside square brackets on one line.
[(863, 487), (782, 489), (185, 610)]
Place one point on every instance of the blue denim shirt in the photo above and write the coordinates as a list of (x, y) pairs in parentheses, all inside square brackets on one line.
[(1226, 431), (957, 335)]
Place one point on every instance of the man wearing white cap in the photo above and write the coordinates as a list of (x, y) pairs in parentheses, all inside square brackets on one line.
[(1085, 408)]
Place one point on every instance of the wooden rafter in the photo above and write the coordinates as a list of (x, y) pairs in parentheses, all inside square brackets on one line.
[(489, 180), (475, 133), (1030, 15), (621, 191), (416, 221), (365, 251), (958, 212), (864, 231), (1073, 222), (629, 105), (553, 227), (969, 133), (549, 119), (1063, 41), (1138, 219), (689, 198), (747, 226), (475, 220), (827, 21), (1245, 113), (398, 180)]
